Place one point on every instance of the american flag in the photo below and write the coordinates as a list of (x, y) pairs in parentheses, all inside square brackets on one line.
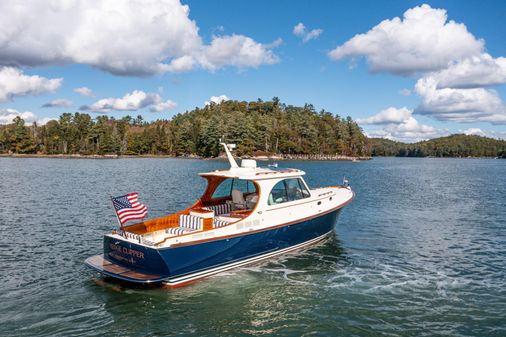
[(128, 207)]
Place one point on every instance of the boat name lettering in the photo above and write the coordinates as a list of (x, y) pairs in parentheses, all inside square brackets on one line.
[(127, 251)]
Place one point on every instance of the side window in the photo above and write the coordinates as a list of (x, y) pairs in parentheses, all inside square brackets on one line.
[(288, 190), (278, 194), (293, 189), (223, 189), (245, 186), (303, 188)]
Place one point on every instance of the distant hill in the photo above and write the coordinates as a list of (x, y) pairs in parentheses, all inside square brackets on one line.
[(268, 127), (458, 145)]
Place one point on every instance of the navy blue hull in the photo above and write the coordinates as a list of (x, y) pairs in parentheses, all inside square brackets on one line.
[(176, 262)]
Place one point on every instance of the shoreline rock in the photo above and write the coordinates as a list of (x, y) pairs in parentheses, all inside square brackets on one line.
[(115, 156)]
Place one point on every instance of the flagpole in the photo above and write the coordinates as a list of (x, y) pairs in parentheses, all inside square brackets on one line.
[(116, 213)]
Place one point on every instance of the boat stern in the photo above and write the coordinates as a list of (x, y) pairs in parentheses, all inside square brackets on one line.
[(128, 261)]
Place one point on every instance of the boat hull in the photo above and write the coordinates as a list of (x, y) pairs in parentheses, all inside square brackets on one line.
[(186, 263)]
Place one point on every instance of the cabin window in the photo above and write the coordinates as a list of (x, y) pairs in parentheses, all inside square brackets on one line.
[(245, 186), (288, 190), (225, 188)]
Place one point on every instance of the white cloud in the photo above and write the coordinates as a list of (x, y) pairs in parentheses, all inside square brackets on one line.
[(236, 50), (473, 72), (163, 106), (180, 64), (217, 99), (44, 120), (58, 103), (84, 91), (14, 83), (474, 131), (306, 36), (135, 38), (459, 105), (409, 131), (7, 115), (456, 70), (299, 29), (274, 44), (485, 133), (387, 116), (422, 41), (133, 101), (405, 92), (400, 125)]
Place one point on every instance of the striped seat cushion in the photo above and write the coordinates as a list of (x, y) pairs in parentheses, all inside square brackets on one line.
[(220, 209), (136, 237), (129, 235), (219, 223), (179, 230), (148, 242), (191, 222)]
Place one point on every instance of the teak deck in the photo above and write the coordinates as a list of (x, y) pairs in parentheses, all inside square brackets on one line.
[(99, 262)]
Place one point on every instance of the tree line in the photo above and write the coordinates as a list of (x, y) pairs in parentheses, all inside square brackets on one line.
[(257, 127), (458, 145)]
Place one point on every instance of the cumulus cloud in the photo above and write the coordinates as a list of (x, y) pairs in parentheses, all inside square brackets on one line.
[(301, 31), (423, 40), (456, 71), (400, 125), (84, 91), (472, 72), (387, 116), (236, 50), (58, 103), (484, 133), (474, 131), (163, 106), (460, 92), (459, 105), (133, 101), (14, 83), (217, 99), (409, 131), (7, 116), (135, 38)]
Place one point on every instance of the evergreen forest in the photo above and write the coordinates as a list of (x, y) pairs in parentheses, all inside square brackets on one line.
[(256, 127), (457, 145)]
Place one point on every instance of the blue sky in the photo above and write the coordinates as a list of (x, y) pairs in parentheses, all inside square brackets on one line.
[(415, 77)]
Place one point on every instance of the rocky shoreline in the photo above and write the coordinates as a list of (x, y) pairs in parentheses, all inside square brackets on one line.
[(278, 157)]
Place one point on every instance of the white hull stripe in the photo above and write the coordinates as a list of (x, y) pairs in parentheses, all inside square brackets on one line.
[(209, 272)]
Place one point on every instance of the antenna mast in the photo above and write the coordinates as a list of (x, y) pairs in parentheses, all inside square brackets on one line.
[(231, 160)]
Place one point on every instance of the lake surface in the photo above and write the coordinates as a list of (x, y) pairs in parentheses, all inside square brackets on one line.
[(421, 251)]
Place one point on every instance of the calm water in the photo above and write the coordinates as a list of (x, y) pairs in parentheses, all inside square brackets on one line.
[(420, 252)]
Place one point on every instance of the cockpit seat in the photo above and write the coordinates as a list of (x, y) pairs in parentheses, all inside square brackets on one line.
[(187, 224), (251, 201), (219, 223), (238, 200), (220, 209)]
